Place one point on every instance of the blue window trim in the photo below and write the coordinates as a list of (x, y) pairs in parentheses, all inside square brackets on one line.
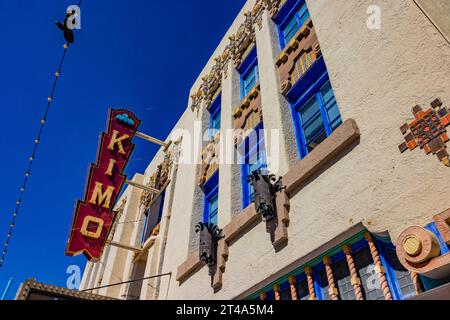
[(382, 246), (247, 66), (305, 89), (211, 189), (214, 110), (285, 15), (161, 206), (147, 216), (259, 147)]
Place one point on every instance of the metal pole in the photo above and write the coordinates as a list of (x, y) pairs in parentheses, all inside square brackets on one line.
[(142, 187), (131, 281), (8, 286)]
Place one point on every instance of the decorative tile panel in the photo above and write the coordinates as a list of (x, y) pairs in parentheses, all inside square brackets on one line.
[(428, 131), (210, 159), (299, 55), (248, 115)]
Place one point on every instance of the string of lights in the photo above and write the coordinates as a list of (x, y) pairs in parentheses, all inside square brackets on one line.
[(32, 157)]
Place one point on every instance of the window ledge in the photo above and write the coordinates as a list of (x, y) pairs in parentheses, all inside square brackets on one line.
[(342, 137)]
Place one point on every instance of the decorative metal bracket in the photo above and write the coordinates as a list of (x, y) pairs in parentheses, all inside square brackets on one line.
[(210, 235), (266, 187)]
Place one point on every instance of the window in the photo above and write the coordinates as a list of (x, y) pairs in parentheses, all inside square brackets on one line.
[(402, 282), (399, 280), (153, 216), (316, 113), (290, 19), (211, 208), (215, 116), (249, 73), (254, 160)]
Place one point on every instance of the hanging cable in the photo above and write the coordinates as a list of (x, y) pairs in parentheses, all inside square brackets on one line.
[(32, 157), (130, 281)]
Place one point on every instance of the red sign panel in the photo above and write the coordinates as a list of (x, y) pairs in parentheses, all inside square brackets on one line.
[(93, 217)]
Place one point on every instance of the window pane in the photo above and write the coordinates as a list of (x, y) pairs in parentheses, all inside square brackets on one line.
[(302, 289), (313, 128), (402, 275), (343, 280), (309, 109), (213, 219), (313, 144), (291, 29), (215, 121), (323, 284), (286, 292), (214, 203), (250, 82), (369, 278), (331, 105), (303, 13)]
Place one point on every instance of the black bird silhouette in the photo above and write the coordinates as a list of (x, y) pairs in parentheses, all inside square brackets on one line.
[(68, 33)]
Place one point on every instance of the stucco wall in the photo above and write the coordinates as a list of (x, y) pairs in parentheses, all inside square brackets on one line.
[(377, 77)]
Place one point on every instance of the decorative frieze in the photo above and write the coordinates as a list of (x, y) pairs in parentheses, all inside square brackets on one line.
[(238, 47), (157, 181), (428, 131), (298, 56), (210, 159), (248, 115), (243, 39)]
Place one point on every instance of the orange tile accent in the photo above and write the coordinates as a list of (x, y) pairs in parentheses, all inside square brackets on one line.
[(445, 137), (427, 149), (412, 145)]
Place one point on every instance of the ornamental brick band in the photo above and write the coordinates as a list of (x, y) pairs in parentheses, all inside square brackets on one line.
[(343, 137)]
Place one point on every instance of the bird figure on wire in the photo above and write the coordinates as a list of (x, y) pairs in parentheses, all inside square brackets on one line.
[(68, 25)]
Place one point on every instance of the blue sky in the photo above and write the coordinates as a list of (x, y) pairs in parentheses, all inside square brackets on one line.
[(143, 55)]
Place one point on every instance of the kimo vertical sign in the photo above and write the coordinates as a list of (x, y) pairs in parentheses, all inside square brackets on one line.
[(93, 217)]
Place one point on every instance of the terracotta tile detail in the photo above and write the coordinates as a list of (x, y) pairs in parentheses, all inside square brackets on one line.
[(299, 55), (189, 267), (346, 134)]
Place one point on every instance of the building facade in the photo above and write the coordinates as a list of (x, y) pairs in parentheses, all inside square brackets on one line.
[(336, 98)]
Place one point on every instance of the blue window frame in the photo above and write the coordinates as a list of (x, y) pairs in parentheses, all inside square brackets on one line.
[(315, 110), (254, 160), (290, 19), (249, 73), (399, 280), (211, 207), (150, 222), (215, 116)]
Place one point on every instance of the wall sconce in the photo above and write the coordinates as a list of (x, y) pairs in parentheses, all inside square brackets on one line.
[(210, 235), (266, 187)]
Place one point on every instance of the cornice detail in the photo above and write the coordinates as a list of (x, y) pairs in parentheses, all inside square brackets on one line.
[(238, 46)]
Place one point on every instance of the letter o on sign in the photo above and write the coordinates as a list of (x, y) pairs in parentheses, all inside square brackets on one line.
[(87, 221)]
